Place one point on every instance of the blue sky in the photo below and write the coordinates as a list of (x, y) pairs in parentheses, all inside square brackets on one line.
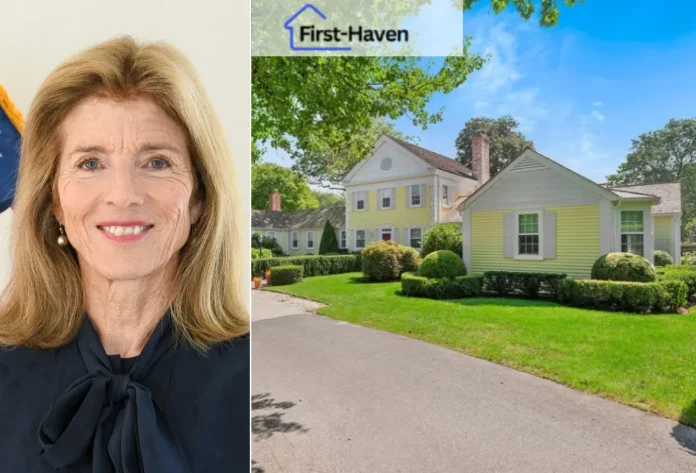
[(581, 90)]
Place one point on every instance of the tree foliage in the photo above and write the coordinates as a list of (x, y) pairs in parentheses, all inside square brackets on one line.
[(664, 155), (329, 199), (506, 141), (329, 242), (294, 190)]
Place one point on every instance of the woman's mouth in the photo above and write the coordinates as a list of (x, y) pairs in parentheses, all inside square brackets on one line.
[(124, 233)]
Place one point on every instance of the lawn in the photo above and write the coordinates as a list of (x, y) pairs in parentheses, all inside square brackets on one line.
[(647, 362)]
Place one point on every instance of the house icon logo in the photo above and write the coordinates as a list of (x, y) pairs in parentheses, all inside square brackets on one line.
[(309, 31)]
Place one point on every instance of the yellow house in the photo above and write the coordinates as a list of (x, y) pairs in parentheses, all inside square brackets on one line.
[(401, 190), (536, 215)]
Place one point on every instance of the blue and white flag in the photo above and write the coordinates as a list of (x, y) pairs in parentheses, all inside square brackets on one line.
[(11, 127)]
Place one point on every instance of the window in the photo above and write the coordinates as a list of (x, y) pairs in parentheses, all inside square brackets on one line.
[(632, 231), (270, 234), (445, 195), (416, 198), (360, 200), (415, 237), (386, 198), (360, 238), (343, 239), (528, 234), (295, 237), (386, 233), (310, 239)]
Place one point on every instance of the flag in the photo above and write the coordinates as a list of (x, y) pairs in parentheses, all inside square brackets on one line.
[(11, 128)]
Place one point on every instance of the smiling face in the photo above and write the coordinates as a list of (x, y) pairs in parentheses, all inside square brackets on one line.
[(125, 182)]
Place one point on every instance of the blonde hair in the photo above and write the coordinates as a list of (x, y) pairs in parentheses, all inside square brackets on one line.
[(43, 303)]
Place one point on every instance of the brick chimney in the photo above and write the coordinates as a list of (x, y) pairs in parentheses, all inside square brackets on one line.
[(480, 157), (274, 201)]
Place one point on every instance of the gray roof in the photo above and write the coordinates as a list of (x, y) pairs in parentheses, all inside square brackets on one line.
[(437, 160), (669, 194), (314, 218)]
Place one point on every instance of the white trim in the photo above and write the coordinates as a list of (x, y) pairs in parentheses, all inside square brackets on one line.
[(466, 239), (292, 240), (676, 238), (644, 233), (409, 195), (540, 233), (356, 199), (355, 238), (386, 228), (378, 144), (606, 222), (448, 188), (314, 240), (408, 237), (380, 198)]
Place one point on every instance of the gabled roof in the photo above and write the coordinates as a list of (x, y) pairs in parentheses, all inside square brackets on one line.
[(314, 218), (436, 160), (669, 194), (530, 153)]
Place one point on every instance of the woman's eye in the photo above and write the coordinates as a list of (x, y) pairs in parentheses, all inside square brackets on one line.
[(158, 163), (89, 164)]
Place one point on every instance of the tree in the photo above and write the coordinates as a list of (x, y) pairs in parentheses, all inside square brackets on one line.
[(294, 190), (442, 236), (329, 199), (665, 155), (313, 107), (328, 243), (506, 142)]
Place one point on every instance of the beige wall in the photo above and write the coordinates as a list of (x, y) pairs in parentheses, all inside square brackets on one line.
[(214, 34)]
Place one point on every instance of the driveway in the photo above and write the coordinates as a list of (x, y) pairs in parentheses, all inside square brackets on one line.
[(332, 397)]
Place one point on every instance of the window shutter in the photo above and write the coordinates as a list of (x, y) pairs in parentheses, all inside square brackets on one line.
[(379, 198), (509, 235), (367, 199), (549, 241), (422, 195), (355, 201), (408, 196), (395, 236), (377, 235)]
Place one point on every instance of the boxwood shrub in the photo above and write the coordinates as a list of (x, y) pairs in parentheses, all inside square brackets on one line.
[(441, 288), (284, 275), (442, 264), (623, 267), (527, 284), (685, 275), (314, 265), (667, 296), (387, 260)]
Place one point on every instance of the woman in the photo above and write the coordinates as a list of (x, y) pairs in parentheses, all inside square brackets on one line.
[(123, 326)]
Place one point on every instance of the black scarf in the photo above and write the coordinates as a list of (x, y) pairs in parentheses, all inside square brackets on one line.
[(113, 414)]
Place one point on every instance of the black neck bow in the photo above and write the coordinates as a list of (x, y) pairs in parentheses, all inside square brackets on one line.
[(113, 414)]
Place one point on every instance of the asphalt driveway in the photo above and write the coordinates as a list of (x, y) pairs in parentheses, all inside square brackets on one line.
[(329, 396)]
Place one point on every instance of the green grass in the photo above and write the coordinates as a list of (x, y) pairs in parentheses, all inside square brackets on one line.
[(647, 362)]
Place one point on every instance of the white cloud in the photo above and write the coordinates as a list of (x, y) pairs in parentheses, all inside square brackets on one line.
[(597, 104), (524, 107), (481, 106), (501, 69), (598, 116)]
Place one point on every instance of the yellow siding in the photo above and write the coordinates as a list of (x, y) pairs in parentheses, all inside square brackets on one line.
[(401, 216), (663, 233), (577, 242)]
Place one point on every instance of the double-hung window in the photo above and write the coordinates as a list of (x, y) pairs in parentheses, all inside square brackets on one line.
[(343, 239), (310, 240), (632, 228), (445, 195), (295, 243), (360, 239), (416, 197), (360, 200), (270, 234), (528, 234), (386, 198), (415, 236)]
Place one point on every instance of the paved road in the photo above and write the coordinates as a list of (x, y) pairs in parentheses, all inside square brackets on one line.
[(331, 397)]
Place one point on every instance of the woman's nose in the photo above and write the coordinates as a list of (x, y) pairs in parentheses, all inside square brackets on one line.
[(124, 188)]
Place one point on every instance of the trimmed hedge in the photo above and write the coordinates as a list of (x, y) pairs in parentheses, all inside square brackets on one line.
[(442, 264), (314, 265), (441, 288), (662, 258), (388, 260), (284, 275), (527, 284), (667, 296), (623, 267), (687, 276)]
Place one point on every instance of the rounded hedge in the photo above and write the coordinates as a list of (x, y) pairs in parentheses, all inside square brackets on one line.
[(442, 264), (381, 261), (662, 258), (623, 267)]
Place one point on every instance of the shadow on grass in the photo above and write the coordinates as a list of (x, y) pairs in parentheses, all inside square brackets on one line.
[(490, 301), (685, 435), (269, 422)]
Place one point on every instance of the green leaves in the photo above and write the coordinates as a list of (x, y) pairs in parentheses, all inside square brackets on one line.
[(294, 190)]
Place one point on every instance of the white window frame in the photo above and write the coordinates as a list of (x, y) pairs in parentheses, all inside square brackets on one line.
[(343, 239), (392, 197), (386, 229), (446, 190), (270, 234), (355, 238), (292, 240), (421, 195), (622, 233), (356, 198), (409, 230), (307, 240), (540, 232)]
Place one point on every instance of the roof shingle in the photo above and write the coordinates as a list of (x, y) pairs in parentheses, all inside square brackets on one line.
[(669, 194), (314, 218)]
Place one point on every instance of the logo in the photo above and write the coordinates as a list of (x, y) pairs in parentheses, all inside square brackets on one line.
[(325, 37)]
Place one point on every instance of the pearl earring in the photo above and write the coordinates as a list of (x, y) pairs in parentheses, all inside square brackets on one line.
[(62, 239)]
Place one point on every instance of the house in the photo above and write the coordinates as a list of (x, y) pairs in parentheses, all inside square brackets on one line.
[(401, 190), (536, 215), (298, 232)]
